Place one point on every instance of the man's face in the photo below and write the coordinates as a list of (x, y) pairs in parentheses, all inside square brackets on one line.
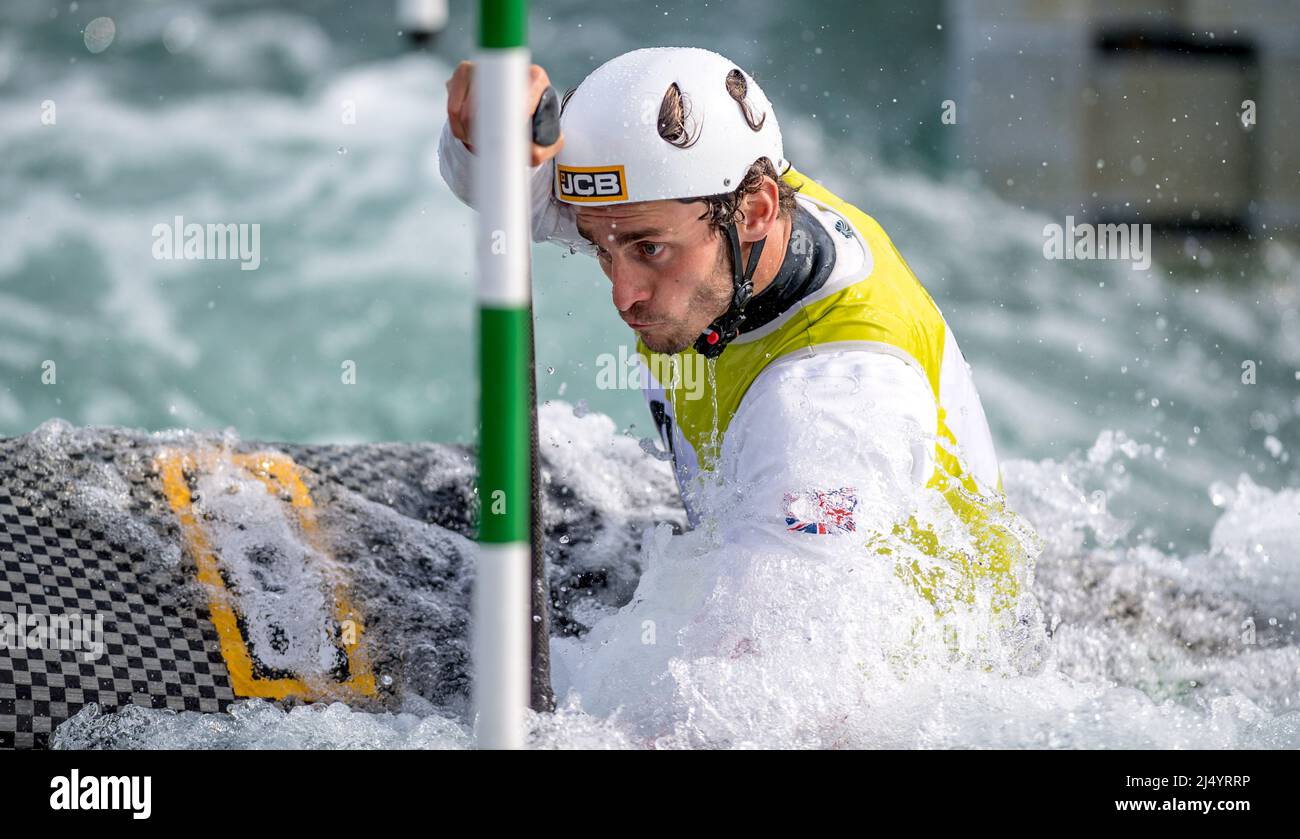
[(670, 273)]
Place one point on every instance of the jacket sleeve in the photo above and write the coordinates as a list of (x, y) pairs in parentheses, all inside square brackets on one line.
[(553, 221), (829, 444)]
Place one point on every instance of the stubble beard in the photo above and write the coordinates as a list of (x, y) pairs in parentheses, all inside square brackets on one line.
[(713, 296)]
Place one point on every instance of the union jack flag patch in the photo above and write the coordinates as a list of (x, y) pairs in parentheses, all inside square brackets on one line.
[(821, 511)]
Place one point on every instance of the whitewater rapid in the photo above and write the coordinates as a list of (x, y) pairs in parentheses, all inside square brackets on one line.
[(1154, 476), (778, 646)]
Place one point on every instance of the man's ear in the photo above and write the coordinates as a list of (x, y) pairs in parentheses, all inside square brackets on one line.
[(762, 208)]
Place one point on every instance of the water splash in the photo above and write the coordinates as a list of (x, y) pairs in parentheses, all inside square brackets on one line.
[(757, 645)]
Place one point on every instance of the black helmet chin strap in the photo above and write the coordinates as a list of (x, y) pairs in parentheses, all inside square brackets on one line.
[(724, 330)]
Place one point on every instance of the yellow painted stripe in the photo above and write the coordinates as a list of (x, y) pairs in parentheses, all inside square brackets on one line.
[(281, 477)]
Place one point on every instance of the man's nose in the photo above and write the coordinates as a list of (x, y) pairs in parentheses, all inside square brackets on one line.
[(630, 285)]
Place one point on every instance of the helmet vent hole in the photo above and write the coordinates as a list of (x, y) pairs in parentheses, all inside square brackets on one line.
[(675, 123), (738, 89)]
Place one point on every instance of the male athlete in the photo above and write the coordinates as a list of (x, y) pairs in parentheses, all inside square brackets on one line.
[(833, 382)]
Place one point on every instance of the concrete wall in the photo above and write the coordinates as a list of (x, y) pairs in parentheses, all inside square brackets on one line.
[(1139, 132)]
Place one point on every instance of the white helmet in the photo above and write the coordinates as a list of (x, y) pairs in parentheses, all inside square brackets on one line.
[(613, 153)]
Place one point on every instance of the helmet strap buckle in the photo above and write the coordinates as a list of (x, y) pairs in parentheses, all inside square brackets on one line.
[(724, 330)]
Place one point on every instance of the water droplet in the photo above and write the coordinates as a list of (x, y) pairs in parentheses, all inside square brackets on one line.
[(99, 34), (179, 34)]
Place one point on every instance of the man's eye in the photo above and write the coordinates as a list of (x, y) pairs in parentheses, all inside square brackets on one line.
[(651, 248)]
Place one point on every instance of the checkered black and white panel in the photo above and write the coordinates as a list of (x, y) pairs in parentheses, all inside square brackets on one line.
[(150, 653), (427, 482)]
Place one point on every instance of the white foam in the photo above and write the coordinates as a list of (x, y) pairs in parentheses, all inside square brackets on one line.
[(728, 646), (282, 584)]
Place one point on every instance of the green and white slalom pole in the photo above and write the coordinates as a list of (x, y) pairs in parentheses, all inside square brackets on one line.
[(502, 605)]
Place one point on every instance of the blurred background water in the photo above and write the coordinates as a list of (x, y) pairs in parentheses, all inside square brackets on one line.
[(229, 111)]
